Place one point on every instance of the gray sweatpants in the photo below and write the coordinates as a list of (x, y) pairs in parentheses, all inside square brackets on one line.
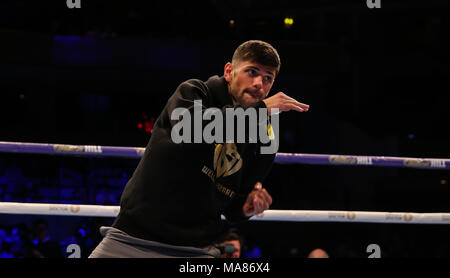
[(117, 244)]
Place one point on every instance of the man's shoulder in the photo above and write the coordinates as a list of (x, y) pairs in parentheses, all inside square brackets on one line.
[(213, 80), (213, 83), (194, 84)]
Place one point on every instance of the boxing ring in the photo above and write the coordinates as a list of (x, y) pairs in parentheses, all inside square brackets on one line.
[(268, 215)]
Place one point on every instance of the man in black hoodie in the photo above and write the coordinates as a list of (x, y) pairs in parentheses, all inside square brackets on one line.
[(172, 205)]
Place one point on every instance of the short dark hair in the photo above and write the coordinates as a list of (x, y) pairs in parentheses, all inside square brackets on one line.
[(229, 236), (258, 52)]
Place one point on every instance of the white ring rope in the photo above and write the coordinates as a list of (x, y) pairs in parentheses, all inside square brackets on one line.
[(58, 209), (268, 215)]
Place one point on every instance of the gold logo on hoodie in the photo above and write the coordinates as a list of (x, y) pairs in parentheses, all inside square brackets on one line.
[(227, 160)]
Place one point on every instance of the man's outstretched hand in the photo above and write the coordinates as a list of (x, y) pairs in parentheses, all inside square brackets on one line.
[(257, 201), (284, 103)]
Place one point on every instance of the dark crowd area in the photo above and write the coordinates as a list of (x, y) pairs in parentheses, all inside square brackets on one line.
[(376, 81), (77, 180)]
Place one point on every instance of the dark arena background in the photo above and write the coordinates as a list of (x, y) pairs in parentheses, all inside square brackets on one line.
[(376, 80)]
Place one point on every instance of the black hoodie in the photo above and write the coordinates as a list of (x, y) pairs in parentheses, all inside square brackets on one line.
[(179, 191)]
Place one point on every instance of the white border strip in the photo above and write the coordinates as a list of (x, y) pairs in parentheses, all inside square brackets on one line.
[(268, 215)]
